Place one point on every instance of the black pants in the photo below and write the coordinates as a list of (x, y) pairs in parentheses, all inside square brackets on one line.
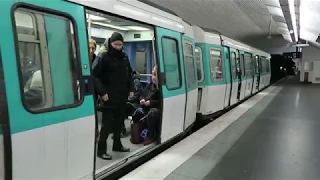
[(112, 122), (153, 117), (152, 122)]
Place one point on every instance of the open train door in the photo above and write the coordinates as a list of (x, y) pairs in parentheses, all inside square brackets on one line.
[(48, 87), (172, 82), (5, 135)]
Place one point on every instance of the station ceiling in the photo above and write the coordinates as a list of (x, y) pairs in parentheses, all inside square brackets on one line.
[(264, 24)]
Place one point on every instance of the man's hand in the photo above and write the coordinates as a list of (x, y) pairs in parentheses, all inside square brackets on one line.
[(147, 103)]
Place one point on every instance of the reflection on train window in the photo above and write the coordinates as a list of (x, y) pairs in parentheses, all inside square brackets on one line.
[(248, 65), (189, 64), (199, 62), (171, 63), (234, 65), (216, 65), (47, 57)]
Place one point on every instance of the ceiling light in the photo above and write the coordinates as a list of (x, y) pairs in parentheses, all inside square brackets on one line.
[(96, 18), (293, 18), (137, 28), (110, 26)]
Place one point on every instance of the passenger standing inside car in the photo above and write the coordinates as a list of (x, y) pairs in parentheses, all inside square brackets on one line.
[(113, 82), (92, 48)]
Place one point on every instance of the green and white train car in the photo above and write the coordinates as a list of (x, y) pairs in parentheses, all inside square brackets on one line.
[(226, 72), (55, 139)]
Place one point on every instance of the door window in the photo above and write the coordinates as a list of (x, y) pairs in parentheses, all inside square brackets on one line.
[(171, 63), (49, 65), (189, 64), (216, 65)]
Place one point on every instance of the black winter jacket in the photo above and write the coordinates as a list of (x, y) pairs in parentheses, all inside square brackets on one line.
[(152, 94), (112, 76)]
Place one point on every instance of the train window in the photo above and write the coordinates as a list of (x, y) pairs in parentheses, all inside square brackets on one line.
[(263, 65), (243, 74), (141, 61), (216, 65), (171, 63), (48, 64), (268, 66), (189, 64), (248, 64), (199, 62), (256, 63), (234, 65)]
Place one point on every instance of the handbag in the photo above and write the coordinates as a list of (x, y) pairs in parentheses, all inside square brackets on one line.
[(138, 124)]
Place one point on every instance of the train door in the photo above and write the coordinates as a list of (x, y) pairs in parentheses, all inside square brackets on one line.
[(227, 70), (5, 135), (191, 81), (50, 101), (242, 76), (172, 81), (235, 77), (257, 72)]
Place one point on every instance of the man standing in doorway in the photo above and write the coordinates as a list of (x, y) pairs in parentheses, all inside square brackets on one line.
[(113, 82)]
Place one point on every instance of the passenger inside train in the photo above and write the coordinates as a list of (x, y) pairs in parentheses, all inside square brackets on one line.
[(137, 44), (149, 109)]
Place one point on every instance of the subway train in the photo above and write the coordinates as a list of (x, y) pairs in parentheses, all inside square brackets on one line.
[(47, 110)]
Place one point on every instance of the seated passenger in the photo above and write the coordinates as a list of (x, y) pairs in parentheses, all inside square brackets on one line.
[(150, 108), (134, 101)]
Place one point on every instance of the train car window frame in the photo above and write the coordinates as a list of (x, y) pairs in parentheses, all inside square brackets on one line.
[(213, 73), (178, 62), (190, 82), (197, 48), (234, 67), (44, 56)]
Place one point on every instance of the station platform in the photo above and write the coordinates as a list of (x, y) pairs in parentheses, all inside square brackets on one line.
[(273, 135)]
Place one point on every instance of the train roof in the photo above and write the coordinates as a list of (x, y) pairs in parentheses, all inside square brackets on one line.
[(188, 31), (241, 46), (137, 10), (200, 36)]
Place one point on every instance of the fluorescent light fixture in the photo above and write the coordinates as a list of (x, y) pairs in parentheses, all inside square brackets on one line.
[(96, 18), (302, 45), (137, 28), (293, 18), (110, 26)]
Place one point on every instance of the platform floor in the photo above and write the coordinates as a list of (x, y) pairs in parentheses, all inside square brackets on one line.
[(273, 135)]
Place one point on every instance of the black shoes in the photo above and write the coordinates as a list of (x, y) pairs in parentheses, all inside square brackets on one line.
[(106, 156), (121, 149)]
